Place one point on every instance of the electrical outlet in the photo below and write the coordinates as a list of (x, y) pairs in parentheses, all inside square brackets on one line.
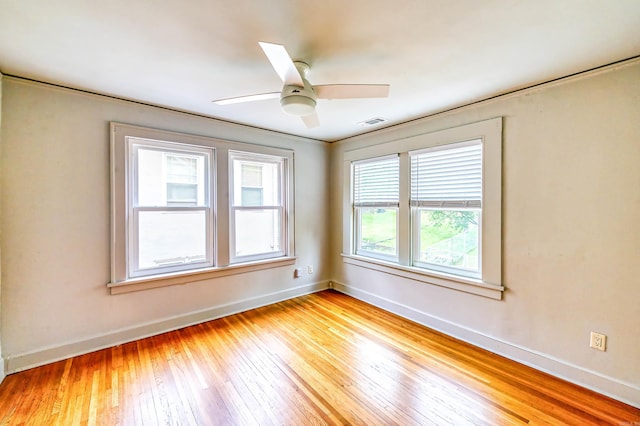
[(598, 341), (310, 269)]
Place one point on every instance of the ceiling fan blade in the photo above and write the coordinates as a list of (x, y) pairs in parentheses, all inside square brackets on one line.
[(311, 120), (347, 91), (249, 98), (282, 63)]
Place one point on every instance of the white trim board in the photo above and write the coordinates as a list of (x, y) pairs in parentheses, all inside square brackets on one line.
[(623, 391), (16, 363)]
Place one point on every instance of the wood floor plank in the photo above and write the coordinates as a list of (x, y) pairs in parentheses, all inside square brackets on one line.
[(321, 359)]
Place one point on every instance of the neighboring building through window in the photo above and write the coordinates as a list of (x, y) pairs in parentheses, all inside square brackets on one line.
[(251, 184), (182, 180)]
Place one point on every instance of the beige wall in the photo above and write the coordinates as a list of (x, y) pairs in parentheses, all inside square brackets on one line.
[(571, 233), (55, 228), (2, 375)]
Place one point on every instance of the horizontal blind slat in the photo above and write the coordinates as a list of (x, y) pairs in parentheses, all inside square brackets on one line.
[(450, 176), (377, 183)]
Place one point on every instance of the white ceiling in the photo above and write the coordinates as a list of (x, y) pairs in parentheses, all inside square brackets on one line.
[(436, 54)]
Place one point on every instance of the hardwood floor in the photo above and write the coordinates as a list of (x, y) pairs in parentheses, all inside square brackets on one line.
[(324, 358)]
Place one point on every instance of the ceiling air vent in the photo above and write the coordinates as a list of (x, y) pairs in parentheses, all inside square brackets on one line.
[(372, 122)]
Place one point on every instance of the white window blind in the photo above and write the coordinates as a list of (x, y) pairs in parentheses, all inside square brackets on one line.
[(377, 182), (447, 176)]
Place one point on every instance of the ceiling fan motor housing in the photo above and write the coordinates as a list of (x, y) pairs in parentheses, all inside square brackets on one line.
[(298, 101)]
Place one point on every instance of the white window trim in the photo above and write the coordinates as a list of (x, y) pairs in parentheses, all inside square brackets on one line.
[(120, 282), (490, 284)]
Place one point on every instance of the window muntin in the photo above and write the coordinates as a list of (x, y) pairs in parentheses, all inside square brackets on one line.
[(376, 194), (446, 203), (257, 206), (168, 234)]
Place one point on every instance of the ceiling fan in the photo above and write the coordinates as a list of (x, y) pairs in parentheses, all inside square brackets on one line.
[(298, 97)]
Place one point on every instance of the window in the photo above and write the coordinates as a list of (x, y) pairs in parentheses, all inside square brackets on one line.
[(169, 230), (376, 197), (257, 206), (446, 204), (428, 207), (173, 219)]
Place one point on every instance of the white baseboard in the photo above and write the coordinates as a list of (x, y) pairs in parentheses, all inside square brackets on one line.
[(15, 363), (623, 391), (2, 373)]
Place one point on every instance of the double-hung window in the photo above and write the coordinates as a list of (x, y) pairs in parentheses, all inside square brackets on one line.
[(189, 208), (446, 207), (376, 202), (257, 206), (428, 207), (170, 227)]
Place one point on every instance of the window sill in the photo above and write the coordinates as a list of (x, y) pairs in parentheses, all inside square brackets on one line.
[(145, 283), (467, 285)]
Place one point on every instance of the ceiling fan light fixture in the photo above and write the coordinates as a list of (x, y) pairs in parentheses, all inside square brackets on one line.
[(298, 105)]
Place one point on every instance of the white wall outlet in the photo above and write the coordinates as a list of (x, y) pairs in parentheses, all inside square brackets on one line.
[(598, 341), (310, 269)]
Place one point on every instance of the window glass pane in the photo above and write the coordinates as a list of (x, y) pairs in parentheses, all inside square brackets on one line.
[(171, 238), (449, 238), (257, 231), (168, 179), (378, 230)]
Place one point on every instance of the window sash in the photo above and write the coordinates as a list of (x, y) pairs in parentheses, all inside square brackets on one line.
[(278, 237), (136, 270)]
